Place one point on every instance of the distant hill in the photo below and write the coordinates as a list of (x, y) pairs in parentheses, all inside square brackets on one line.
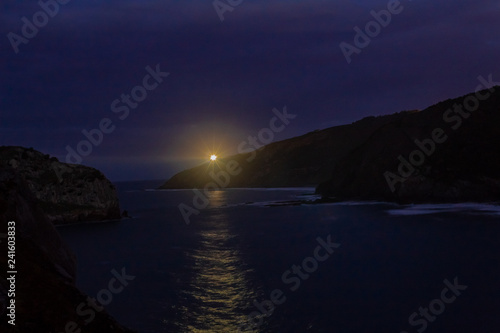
[(361, 160), (306, 160)]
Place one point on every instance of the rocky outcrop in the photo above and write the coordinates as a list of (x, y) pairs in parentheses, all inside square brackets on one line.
[(67, 193), (45, 294)]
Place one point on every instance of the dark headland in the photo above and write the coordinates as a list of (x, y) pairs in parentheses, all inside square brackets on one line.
[(67, 193), (36, 192), (445, 153)]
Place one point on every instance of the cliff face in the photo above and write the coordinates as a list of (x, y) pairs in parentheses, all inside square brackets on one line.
[(67, 192), (45, 295), (302, 161), (442, 154)]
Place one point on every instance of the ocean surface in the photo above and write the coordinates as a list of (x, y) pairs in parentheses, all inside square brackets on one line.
[(247, 264)]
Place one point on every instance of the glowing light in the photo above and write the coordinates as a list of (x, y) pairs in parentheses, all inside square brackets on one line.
[(213, 157)]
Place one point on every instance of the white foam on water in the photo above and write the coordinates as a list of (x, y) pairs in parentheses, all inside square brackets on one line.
[(467, 207)]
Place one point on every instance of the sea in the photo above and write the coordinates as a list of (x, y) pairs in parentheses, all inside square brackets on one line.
[(272, 260)]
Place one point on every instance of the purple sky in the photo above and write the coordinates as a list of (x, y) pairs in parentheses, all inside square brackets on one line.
[(226, 77)]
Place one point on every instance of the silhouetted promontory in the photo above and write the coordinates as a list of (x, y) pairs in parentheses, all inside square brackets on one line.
[(447, 152), (306, 160)]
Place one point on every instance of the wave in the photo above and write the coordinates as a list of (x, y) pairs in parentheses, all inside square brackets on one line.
[(467, 207)]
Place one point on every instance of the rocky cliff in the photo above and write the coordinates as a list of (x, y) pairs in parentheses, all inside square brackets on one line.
[(67, 193), (45, 294)]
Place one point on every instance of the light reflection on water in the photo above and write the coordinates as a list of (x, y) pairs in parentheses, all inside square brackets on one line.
[(218, 293)]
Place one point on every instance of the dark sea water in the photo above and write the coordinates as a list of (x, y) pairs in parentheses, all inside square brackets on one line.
[(210, 275)]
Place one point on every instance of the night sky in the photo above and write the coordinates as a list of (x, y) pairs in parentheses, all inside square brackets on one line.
[(225, 77)]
